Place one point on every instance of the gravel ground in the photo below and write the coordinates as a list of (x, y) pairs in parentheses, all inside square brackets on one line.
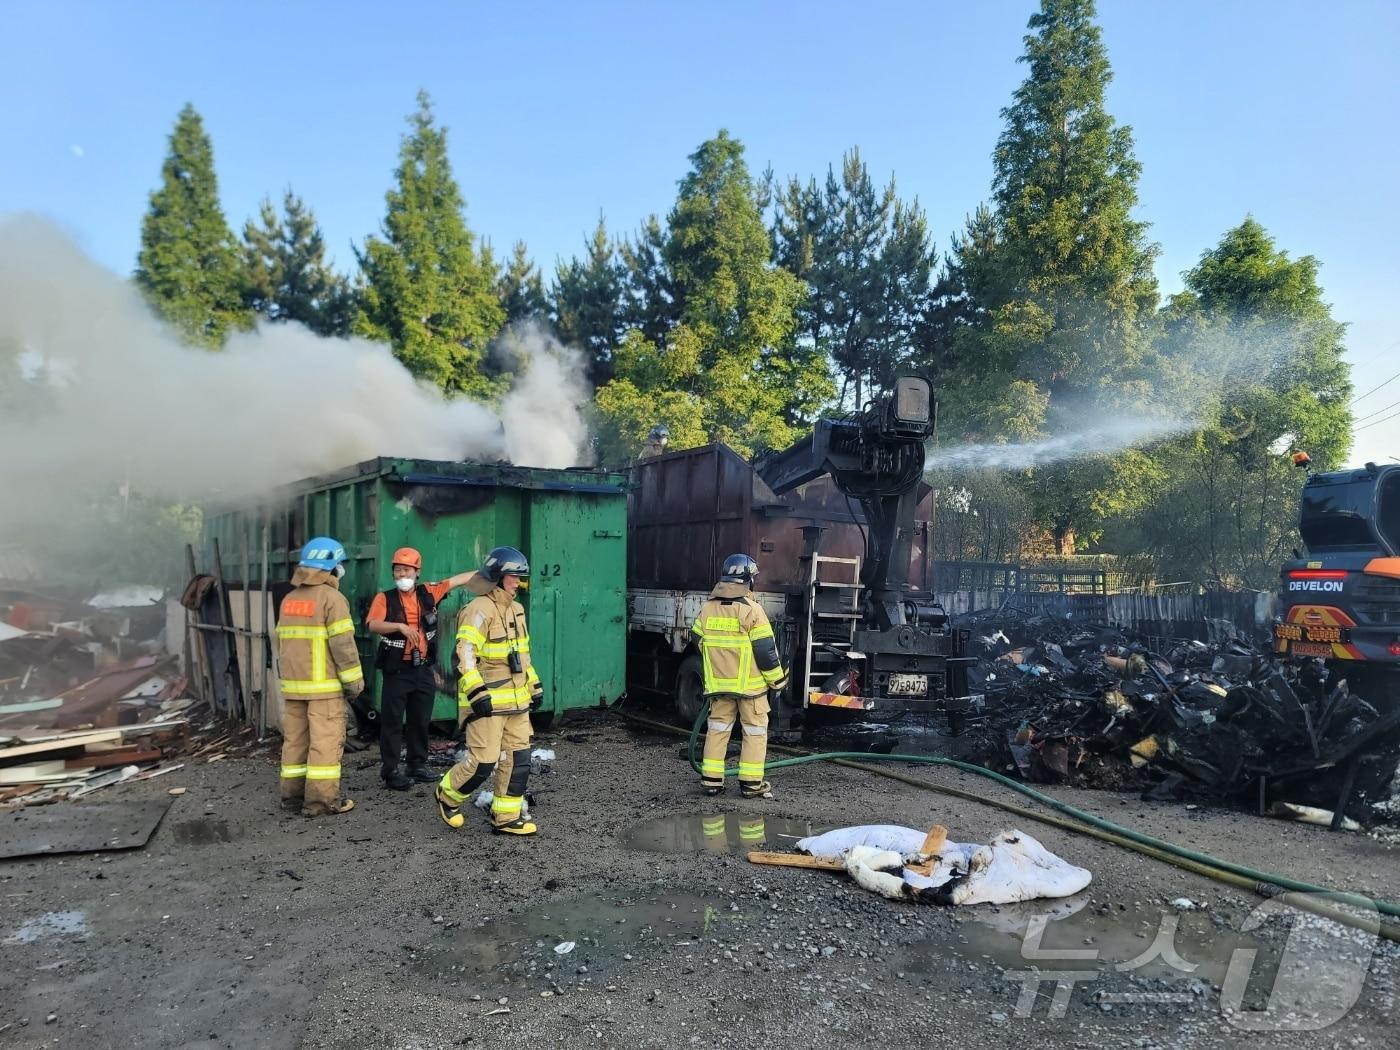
[(238, 925)]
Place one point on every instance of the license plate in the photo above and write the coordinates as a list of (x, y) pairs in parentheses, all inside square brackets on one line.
[(908, 684), (1295, 633), (1310, 649)]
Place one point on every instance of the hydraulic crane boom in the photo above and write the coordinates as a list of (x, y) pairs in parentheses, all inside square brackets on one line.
[(876, 457)]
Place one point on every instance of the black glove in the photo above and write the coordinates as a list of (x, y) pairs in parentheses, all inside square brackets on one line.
[(775, 696), (480, 702), (537, 699)]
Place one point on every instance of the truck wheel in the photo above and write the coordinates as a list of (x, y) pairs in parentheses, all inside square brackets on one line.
[(690, 689)]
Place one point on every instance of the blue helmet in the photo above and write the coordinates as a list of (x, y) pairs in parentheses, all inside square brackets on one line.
[(322, 553)]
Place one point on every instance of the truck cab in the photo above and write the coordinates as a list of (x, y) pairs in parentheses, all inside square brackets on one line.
[(1340, 600)]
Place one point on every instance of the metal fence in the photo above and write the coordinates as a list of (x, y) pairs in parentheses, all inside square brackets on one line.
[(1083, 595)]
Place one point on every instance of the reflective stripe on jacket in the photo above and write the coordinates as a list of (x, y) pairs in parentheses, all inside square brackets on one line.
[(737, 645), (316, 651), (489, 629)]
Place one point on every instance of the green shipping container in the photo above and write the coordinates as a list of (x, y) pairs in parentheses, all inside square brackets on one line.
[(571, 524)]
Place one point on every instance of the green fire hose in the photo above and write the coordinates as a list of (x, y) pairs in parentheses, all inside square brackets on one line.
[(1263, 883)]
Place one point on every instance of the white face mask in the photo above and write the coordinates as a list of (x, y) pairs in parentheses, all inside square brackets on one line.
[(340, 572), (404, 583)]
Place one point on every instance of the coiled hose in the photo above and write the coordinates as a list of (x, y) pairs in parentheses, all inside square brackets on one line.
[(1318, 900)]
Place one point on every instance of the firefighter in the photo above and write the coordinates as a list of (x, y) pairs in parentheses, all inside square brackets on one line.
[(656, 443), (496, 693), (320, 670), (743, 675), (405, 617)]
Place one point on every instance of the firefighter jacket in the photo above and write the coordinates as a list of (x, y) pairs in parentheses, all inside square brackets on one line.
[(316, 640), (491, 637), (736, 644)]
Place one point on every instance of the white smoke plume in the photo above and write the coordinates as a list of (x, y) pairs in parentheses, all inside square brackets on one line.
[(123, 401), (550, 391)]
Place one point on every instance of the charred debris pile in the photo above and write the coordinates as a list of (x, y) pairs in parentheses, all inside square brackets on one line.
[(1094, 706)]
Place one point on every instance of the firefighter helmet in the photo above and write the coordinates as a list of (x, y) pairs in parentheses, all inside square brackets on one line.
[(739, 568), (505, 560), (322, 553)]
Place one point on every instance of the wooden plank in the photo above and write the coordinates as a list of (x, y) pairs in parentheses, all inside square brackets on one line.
[(65, 743), (39, 773), (794, 860), (105, 759), (117, 732), (934, 840)]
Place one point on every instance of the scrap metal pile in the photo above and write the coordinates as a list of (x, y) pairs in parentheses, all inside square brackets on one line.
[(1066, 702)]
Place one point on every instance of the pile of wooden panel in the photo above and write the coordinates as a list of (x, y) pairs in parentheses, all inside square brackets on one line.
[(44, 766)]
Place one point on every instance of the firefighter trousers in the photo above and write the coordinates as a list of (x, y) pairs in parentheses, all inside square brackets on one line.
[(752, 714), (496, 742), (313, 737)]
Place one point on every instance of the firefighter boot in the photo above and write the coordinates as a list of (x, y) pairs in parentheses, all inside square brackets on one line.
[(509, 815), (451, 815), (518, 826), (333, 808), (755, 789)]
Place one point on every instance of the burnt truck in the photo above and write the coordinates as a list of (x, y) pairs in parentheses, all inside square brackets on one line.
[(1340, 597), (839, 526)]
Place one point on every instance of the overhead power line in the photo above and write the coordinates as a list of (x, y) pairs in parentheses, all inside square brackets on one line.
[(1383, 419), (1368, 415), (1373, 389)]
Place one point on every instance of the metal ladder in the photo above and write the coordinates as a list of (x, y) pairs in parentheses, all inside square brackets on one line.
[(848, 610)]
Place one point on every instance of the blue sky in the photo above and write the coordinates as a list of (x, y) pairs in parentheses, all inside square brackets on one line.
[(560, 111)]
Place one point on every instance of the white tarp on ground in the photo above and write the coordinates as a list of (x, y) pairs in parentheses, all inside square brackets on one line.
[(1012, 867)]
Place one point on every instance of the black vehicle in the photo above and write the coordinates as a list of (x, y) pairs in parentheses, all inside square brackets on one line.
[(1341, 597)]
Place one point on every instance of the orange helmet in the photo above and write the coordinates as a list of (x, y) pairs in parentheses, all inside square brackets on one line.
[(407, 556)]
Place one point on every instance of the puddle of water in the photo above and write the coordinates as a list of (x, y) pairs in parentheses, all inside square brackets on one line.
[(604, 930), (917, 734), (717, 833), (1072, 934), (50, 924), (203, 832)]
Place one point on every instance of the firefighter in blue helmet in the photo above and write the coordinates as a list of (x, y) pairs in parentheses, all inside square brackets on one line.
[(320, 669)]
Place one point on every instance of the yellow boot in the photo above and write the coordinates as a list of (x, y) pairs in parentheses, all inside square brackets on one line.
[(518, 826)]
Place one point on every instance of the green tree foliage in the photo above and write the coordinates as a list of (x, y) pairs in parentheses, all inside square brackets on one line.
[(286, 273), (520, 287), (867, 260), (1255, 349), (715, 357), (585, 303), (188, 266), (1048, 309), (649, 297), (428, 290)]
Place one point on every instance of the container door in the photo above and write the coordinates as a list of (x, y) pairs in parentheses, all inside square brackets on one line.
[(577, 601)]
